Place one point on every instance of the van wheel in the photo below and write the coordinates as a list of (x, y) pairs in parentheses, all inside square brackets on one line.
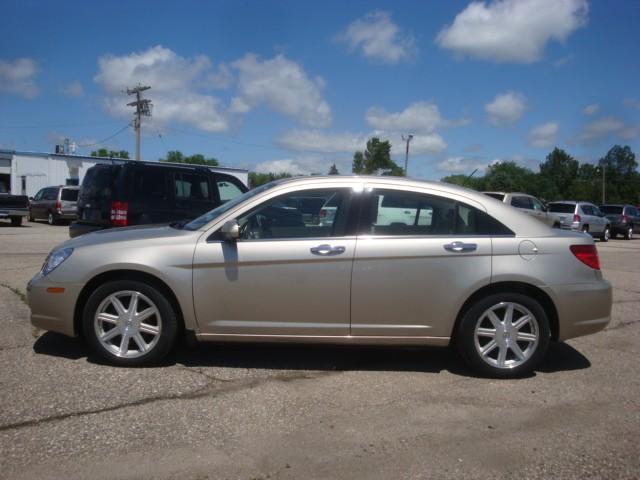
[(129, 323), (51, 220), (628, 235), (504, 335)]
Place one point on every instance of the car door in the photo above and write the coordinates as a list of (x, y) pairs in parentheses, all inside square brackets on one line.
[(410, 280), (36, 204), (591, 218), (283, 276)]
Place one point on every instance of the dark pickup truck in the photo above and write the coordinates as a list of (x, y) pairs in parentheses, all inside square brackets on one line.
[(13, 207)]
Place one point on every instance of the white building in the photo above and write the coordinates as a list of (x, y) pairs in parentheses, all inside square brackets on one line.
[(24, 173)]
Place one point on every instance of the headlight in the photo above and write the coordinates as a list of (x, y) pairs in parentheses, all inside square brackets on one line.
[(55, 258)]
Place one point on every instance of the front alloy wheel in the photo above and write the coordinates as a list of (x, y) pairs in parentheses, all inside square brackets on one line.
[(504, 335), (129, 323), (606, 235), (629, 234)]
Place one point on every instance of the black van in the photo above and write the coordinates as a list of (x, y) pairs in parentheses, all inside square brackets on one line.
[(137, 193)]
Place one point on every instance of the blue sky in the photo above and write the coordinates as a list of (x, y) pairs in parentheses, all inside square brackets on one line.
[(297, 86)]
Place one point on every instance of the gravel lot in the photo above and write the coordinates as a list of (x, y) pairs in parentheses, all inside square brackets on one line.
[(257, 412)]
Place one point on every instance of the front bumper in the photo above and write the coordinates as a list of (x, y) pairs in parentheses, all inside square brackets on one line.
[(52, 310), (583, 308)]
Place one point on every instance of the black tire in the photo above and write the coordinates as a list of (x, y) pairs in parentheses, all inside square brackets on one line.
[(628, 235), (465, 337), (16, 221), (31, 217), (51, 219), (606, 234), (167, 321), (585, 229)]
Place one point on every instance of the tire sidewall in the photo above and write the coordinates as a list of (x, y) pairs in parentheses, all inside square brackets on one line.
[(466, 343), (167, 314)]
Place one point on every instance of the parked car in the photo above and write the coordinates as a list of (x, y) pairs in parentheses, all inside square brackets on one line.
[(141, 193), (13, 207), (624, 219), (581, 216), (54, 204), (528, 204), (497, 284)]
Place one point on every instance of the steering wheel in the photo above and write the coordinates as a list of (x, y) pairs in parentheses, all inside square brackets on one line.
[(256, 227)]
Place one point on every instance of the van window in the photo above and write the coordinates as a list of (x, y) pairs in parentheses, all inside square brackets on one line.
[(227, 190), (149, 184), (189, 186), (99, 181), (562, 207), (69, 195)]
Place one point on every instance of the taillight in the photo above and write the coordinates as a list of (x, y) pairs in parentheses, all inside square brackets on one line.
[(59, 206), (576, 218), (625, 219), (119, 211), (323, 213), (587, 254)]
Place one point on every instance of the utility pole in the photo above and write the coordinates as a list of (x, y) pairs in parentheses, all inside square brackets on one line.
[(143, 109), (603, 183), (407, 139)]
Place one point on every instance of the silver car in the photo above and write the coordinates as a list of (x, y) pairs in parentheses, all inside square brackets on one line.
[(582, 217), (527, 204), (464, 270)]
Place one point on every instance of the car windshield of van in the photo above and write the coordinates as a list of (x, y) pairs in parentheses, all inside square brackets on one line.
[(611, 209), (562, 207), (225, 207)]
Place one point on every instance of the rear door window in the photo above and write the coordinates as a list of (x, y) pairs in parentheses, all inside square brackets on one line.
[(149, 184), (192, 187), (562, 207), (520, 201), (50, 194)]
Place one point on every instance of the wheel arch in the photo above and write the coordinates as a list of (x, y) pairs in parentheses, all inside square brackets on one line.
[(123, 274), (513, 287)]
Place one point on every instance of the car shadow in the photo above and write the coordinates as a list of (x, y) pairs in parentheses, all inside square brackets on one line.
[(560, 357)]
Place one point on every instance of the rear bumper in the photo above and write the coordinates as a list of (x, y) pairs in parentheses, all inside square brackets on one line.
[(13, 212), (583, 309), (52, 311), (77, 228)]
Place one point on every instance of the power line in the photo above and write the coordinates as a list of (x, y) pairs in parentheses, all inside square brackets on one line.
[(101, 142)]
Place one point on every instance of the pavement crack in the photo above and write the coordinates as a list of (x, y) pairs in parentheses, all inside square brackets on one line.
[(624, 324), (21, 295)]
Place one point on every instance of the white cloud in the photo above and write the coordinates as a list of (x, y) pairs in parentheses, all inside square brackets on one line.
[(591, 109), (18, 77), (512, 30), (506, 109), (346, 142), (416, 118), (304, 165), (544, 135), (174, 82), (462, 165), (378, 38), (73, 89), (609, 126), (284, 86)]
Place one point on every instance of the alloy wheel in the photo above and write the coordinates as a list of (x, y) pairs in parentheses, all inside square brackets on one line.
[(630, 233), (127, 324), (506, 335)]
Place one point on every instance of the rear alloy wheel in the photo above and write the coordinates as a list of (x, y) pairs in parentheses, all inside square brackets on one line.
[(129, 323), (51, 219), (628, 235), (504, 335), (606, 235)]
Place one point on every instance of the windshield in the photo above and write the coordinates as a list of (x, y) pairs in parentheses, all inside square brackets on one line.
[(562, 207), (225, 207), (611, 209)]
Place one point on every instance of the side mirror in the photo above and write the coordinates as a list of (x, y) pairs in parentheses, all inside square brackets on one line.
[(30, 199), (230, 231)]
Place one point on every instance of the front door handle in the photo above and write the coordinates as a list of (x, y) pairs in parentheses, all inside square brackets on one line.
[(460, 247), (327, 250)]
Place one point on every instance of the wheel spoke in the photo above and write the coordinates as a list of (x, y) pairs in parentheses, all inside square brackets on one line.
[(489, 347), (108, 318), (517, 350), (486, 332), (142, 345), (494, 319), (151, 329), (133, 304), (146, 313), (508, 314), (109, 335), (117, 304), (526, 337), (502, 355), (124, 344), (521, 322)]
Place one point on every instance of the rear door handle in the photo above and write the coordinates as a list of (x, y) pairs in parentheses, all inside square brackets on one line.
[(327, 250), (460, 247)]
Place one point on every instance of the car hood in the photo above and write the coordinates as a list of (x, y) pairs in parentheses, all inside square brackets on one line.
[(151, 234)]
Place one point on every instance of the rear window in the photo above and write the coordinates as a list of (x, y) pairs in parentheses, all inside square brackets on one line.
[(611, 210), (68, 194), (497, 196), (562, 207), (99, 181)]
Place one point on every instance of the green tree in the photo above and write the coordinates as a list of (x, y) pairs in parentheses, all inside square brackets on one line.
[(103, 152), (256, 179), (509, 177), (560, 171), (621, 175), (176, 156), (376, 159), (334, 170)]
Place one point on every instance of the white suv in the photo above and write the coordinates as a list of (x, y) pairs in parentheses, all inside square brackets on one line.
[(528, 204)]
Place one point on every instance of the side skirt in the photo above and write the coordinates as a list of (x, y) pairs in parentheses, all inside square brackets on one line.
[(347, 339)]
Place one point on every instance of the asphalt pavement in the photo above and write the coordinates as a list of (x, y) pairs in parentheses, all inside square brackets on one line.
[(290, 412)]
